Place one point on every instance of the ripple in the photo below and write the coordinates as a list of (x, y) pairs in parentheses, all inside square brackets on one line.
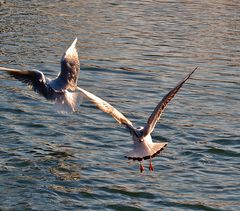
[(65, 171), (123, 207), (223, 152), (125, 191)]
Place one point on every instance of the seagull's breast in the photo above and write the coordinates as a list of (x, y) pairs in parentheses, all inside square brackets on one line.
[(142, 149)]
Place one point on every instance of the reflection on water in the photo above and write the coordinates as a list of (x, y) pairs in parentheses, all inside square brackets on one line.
[(131, 53)]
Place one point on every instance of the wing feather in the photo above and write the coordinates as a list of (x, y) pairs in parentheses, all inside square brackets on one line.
[(70, 68), (33, 78), (107, 108), (155, 116)]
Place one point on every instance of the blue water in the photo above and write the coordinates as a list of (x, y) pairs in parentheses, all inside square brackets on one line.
[(132, 53)]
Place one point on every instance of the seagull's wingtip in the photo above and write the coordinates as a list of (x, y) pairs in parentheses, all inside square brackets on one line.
[(72, 48), (75, 42), (195, 68)]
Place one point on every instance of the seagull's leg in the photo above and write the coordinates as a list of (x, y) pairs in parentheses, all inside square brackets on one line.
[(141, 167), (150, 165)]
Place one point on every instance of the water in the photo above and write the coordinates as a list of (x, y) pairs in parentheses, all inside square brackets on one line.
[(131, 54)]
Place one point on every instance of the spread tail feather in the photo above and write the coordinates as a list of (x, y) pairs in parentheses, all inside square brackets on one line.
[(143, 152), (67, 102)]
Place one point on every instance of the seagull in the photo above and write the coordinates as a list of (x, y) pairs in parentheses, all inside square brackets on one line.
[(62, 89), (144, 148)]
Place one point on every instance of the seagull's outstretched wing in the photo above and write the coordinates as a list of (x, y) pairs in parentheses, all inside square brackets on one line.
[(70, 67), (107, 108), (33, 78), (155, 116)]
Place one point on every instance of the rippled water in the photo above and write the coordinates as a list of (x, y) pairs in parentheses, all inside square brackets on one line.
[(131, 54)]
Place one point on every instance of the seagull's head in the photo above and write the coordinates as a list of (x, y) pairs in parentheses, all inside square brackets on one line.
[(139, 128), (139, 133)]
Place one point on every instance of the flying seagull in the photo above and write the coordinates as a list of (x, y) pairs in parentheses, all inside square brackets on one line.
[(144, 147), (61, 89)]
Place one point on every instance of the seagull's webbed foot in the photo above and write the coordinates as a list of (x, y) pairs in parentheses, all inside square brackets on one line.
[(141, 168), (150, 166)]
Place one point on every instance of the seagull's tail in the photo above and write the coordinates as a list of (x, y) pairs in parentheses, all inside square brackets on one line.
[(68, 102), (144, 152)]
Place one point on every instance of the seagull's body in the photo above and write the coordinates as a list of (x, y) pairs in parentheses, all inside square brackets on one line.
[(144, 148), (61, 89)]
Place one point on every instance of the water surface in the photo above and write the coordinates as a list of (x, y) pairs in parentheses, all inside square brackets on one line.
[(131, 54)]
